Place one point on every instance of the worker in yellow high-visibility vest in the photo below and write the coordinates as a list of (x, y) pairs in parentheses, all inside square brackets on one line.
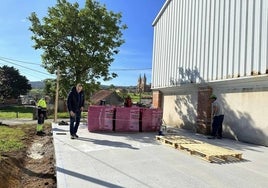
[(42, 110)]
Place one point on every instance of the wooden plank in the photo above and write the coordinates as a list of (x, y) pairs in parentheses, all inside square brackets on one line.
[(177, 140), (210, 149)]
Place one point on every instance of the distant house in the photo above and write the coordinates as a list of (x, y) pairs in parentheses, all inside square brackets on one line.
[(109, 97), (26, 99)]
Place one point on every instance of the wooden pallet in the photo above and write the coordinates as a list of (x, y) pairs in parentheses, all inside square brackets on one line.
[(208, 152), (175, 140), (212, 153)]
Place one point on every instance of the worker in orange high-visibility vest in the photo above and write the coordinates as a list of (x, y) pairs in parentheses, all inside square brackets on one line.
[(42, 114)]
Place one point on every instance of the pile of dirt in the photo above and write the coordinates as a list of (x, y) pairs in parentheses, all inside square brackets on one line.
[(33, 166)]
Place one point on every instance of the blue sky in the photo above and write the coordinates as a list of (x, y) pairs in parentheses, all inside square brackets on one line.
[(134, 59)]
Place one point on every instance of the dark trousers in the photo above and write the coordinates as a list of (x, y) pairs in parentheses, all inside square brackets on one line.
[(217, 126), (74, 122), (41, 116)]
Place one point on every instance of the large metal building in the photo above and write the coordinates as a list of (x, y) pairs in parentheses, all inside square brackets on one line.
[(213, 46)]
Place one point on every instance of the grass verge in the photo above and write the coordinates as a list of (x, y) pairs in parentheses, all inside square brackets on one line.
[(9, 112), (11, 139), (15, 112)]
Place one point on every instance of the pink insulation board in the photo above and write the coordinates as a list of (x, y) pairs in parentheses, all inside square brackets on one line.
[(127, 119)]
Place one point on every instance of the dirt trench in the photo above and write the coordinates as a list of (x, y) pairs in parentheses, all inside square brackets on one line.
[(32, 166)]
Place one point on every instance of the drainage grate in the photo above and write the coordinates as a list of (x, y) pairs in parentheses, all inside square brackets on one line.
[(61, 133)]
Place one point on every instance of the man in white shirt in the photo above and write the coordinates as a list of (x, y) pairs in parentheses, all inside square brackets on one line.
[(218, 116)]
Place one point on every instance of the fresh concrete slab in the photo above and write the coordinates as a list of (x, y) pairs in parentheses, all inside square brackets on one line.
[(133, 160)]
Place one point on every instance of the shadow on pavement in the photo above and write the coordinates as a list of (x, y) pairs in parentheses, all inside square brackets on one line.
[(87, 178)]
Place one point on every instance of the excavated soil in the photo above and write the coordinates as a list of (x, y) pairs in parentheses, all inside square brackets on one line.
[(32, 166)]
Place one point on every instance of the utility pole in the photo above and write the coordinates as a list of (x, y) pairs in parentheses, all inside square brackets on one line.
[(57, 96)]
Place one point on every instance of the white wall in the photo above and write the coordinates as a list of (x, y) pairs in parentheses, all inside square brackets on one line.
[(245, 103), (179, 108), (180, 111), (246, 116)]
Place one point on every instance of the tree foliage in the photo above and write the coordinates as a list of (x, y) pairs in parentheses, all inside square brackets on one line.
[(50, 88), (12, 84), (82, 42)]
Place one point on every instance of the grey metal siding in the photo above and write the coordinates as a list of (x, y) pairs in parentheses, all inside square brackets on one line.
[(207, 40)]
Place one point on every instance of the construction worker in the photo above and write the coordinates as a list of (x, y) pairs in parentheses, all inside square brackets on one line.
[(128, 101), (42, 114), (218, 116)]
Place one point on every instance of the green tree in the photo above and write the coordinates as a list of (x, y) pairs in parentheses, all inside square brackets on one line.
[(112, 87), (12, 84), (82, 42), (50, 87)]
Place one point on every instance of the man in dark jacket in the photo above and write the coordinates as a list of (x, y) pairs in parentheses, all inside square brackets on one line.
[(75, 104)]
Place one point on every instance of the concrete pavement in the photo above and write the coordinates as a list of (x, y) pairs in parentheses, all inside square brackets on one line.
[(133, 160)]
